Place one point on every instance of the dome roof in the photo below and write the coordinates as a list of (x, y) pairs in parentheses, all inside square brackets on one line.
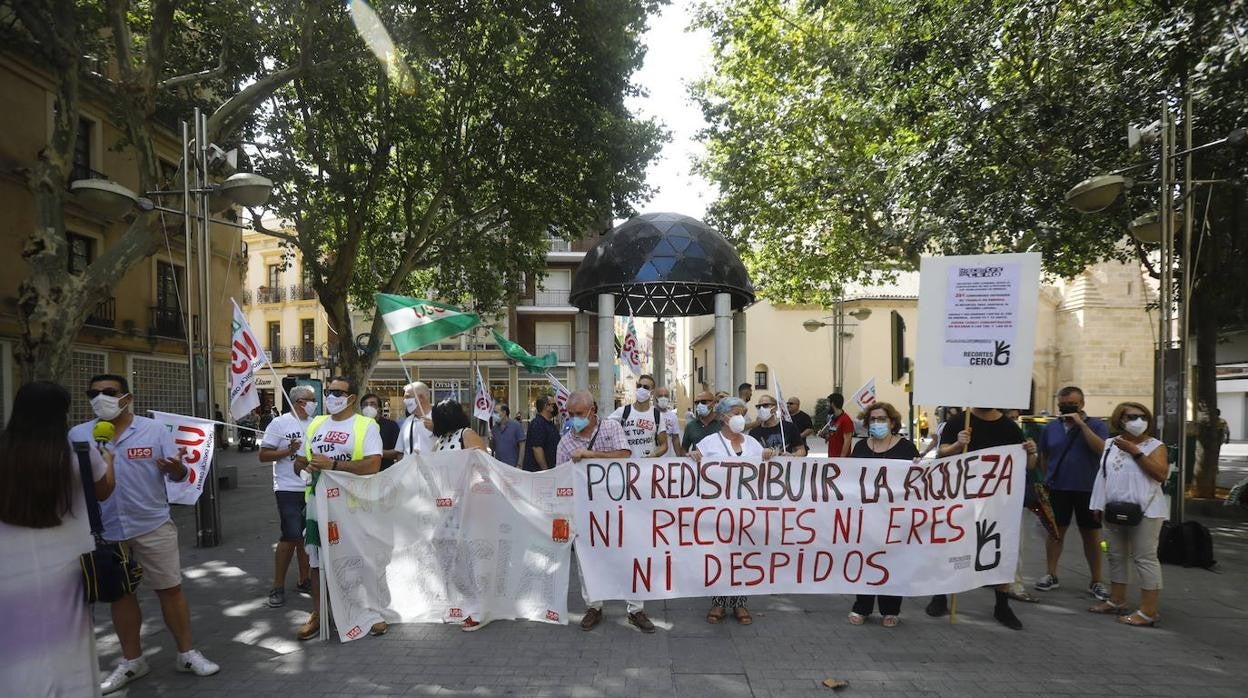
[(662, 265)]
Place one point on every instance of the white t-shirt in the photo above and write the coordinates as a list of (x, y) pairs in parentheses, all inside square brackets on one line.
[(717, 447), (640, 430), (279, 434), (336, 439), (1123, 480), (669, 420)]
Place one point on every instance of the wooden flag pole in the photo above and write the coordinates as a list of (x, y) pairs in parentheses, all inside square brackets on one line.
[(953, 598)]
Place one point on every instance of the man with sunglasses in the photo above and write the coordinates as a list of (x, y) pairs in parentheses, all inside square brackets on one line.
[(144, 458), (805, 425), (773, 433), (339, 440), (704, 422), (282, 441), (642, 422)]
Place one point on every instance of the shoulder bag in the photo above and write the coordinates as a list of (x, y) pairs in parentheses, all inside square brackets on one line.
[(1119, 512), (108, 572)]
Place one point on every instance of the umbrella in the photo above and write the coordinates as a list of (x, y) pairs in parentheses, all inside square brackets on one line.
[(1039, 503)]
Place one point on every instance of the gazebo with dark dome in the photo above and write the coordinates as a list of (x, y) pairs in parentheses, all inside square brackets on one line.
[(662, 265)]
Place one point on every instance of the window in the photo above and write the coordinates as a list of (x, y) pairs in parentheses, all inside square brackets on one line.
[(275, 275), (275, 341), (307, 349), (81, 252), (170, 282), (159, 385), (760, 379), (82, 150)]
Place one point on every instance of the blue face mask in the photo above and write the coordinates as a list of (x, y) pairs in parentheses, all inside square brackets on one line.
[(578, 423), (878, 431), (701, 410)]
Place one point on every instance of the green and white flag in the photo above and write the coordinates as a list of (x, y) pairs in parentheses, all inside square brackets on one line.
[(415, 322)]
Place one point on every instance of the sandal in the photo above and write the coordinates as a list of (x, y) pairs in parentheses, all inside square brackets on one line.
[(856, 618), (743, 615), (1140, 620), (716, 614), (890, 621), (1023, 596), (1109, 608)]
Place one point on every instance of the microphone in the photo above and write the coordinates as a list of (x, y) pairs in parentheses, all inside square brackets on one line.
[(103, 433)]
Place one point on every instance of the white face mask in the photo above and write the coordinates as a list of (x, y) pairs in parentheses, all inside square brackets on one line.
[(105, 407), (336, 404), (643, 394), (736, 423), (1135, 427), (409, 404), (664, 403), (370, 412), (764, 414)]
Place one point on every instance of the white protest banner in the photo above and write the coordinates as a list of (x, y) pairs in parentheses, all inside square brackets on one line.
[(195, 441), (865, 395), (245, 356), (658, 528), (442, 537), (977, 317)]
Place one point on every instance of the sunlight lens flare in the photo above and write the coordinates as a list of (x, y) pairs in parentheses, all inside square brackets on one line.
[(370, 28)]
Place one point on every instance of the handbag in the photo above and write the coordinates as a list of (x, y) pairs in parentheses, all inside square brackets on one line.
[(1123, 513), (108, 572)]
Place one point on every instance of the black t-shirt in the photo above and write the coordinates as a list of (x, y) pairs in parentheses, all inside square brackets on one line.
[(802, 421), (903, 449), (984, 434), (542, 434), (389, 438), (770, 437)]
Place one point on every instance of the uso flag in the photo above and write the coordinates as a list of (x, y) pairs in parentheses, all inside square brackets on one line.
[(245, 355), (194, 439)]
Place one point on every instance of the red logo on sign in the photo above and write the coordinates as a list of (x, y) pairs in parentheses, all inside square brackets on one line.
[(563, 491), (332, 492), (455, 613), (445, 503), (337, 437), (551, 615), (355, 632), (559, 530), (333, 532), (139, 452), (190, 475)]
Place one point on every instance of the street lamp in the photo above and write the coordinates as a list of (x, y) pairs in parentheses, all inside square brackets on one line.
[(1096, 194), (112, 200), (838, 326)]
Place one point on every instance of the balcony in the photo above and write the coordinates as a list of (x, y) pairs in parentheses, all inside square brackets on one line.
[(557, 298), (560, 246), (307, 353), (269, 294), (167, 322), (103, 314), (563, 351), (246, 298), (81, 170), (302, 292)]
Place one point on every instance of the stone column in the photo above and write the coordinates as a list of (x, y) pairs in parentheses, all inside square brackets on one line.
[(581, 351), (723, 341), (659, 351), (740, 371), (606, 353)]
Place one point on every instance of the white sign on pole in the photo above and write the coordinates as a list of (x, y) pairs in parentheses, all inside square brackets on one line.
[(977, 330)]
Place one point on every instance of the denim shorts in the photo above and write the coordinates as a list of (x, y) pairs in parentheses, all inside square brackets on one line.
[(290, 509)]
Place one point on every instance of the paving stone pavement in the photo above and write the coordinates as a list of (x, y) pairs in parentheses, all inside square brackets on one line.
[(795, 642)]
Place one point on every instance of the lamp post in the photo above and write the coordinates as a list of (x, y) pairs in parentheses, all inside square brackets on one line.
[(1098, 193), (838, 326), (112, 200)]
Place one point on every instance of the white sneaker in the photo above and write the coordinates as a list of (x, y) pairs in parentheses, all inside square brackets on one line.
[(128, 670), (196, 663)]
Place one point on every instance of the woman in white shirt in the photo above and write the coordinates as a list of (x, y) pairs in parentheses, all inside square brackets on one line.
[(730, 443), (1133, 466)]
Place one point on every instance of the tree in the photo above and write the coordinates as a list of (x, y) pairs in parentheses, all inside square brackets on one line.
[(440, 168), (154, 58), (847, 138)]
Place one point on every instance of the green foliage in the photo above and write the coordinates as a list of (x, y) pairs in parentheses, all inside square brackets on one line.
[(848, 138)]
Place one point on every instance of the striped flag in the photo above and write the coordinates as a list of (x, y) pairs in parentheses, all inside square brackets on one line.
[(245, 356), (561, 394), (630, 352), (416, 322)]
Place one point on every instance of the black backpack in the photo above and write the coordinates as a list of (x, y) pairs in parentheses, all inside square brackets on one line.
[(1188, 544), (658, 424)]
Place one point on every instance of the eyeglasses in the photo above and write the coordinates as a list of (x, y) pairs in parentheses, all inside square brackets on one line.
[(110, 392), (879, 420), (1132, 417), (705, 402), (647, 387), (337, 393), (766, 404), (791, 402)]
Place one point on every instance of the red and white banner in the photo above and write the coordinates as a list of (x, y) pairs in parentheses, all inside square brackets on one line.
[(630, 350), (483, 406), (561, 394), (865, 396), (195, 441), (245, 356), (669, 528), (444, 537)]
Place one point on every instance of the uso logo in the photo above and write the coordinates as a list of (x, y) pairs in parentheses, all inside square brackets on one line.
[(332, 492), (455, 613), (563, 491), (445, 503), (355, 632), (333, 532), (552, 616), (139, 452), (337, 437)]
